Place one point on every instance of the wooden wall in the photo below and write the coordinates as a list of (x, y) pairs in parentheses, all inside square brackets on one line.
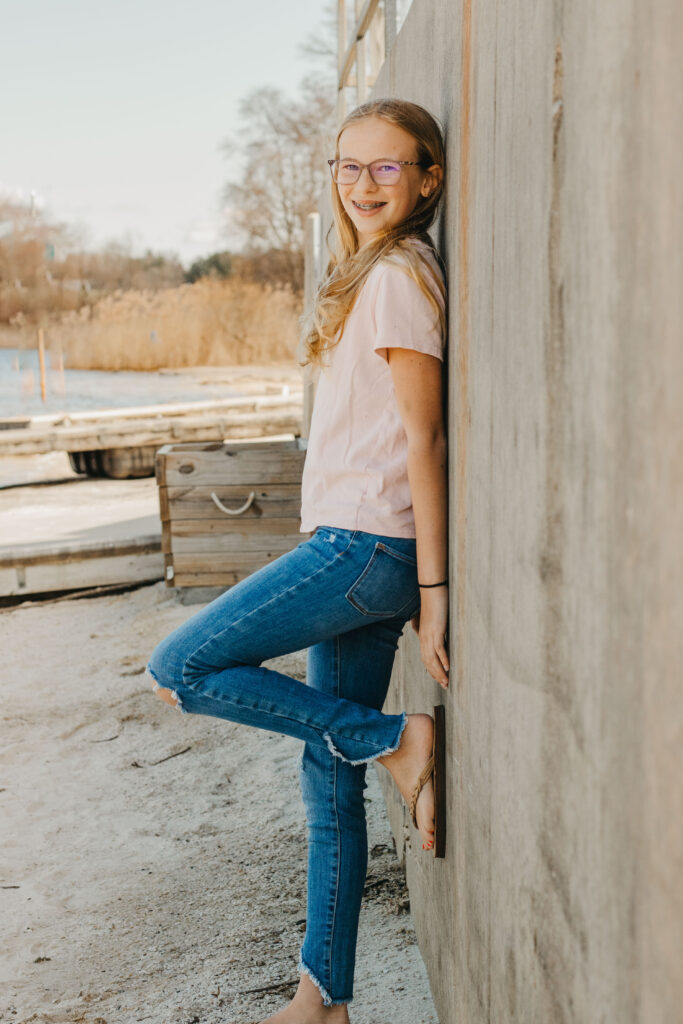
[(560, 898)]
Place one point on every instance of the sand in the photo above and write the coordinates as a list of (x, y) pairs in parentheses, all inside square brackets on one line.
[(153, 863)]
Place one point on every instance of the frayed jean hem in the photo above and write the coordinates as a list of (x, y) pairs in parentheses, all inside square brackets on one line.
[(327, 999), (372, 757)]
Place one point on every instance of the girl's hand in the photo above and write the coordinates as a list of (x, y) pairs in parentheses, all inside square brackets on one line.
[(431, 625)]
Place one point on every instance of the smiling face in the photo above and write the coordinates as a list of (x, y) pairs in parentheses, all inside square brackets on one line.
[(369, 140)]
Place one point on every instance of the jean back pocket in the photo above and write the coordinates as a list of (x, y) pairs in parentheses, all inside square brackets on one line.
[(387, 586)]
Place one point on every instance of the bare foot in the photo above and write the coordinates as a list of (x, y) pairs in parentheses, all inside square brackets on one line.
[(405, 765), (307, 1008)]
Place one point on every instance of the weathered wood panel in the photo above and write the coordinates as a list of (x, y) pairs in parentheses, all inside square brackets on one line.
[(207, 535), (35, 569), (559, 899), (227, 561), (197, 503), (223, 542), (48, 554), (277, 462)]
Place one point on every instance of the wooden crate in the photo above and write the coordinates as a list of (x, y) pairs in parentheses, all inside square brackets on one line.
[(260, 481)]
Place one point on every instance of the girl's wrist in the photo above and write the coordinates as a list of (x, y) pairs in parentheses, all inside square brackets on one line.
[(428, 586)]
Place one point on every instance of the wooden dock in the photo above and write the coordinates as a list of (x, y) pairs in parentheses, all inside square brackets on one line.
[(153, 425), (77, 534), (61, 567)]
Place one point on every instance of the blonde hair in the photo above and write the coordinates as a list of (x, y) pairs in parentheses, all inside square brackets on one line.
[(349, 266)]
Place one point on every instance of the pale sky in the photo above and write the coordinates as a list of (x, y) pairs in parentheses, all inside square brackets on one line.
[(113, 113)]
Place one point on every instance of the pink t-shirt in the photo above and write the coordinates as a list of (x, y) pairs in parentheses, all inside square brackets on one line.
[(356, 466)]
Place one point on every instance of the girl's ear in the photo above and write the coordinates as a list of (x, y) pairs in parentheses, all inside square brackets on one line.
[(434, 175)]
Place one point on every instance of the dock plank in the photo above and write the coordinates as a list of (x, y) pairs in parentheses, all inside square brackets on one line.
[(125, 432), (78, 573)]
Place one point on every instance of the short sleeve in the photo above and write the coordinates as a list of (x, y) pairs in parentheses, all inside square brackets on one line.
[(404, 316)]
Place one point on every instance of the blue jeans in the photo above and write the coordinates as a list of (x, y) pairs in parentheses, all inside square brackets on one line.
[(346, 596)]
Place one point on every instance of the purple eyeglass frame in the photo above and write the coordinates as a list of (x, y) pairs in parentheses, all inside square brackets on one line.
[(336, 160)]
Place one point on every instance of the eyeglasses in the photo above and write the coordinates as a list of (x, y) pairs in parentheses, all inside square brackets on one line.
[(382, 172)]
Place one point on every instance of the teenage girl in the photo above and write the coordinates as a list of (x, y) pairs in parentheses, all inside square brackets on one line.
[(374, 495)]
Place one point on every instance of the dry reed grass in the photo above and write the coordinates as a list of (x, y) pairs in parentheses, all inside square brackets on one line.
[(211, 322)]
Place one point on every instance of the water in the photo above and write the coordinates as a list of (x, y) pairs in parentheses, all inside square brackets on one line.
[(79, 390)]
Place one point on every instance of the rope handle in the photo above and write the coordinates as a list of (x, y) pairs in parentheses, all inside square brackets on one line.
[(232, 511)]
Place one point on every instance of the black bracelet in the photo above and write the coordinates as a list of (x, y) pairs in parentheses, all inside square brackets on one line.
[(442, 584)]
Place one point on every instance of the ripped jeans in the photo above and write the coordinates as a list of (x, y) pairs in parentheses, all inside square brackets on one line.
[(346, 596)]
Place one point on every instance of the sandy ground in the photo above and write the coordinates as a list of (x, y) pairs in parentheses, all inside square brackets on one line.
[(153, 864), (78, 509)]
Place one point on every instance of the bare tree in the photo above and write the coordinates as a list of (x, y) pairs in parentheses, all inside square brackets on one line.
[(283, 145)]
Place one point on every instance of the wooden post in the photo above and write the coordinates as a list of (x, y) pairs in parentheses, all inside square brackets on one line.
[(376, 47), (61, 385), (341, 49), (41, 360), (312, 275), (389, 26), (361, 59)]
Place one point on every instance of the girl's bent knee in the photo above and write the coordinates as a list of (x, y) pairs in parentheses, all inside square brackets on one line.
[(164, 667), (169, 696), (164, 681)]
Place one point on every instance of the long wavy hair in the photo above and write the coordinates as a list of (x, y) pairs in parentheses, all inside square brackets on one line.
[(350, 264)]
